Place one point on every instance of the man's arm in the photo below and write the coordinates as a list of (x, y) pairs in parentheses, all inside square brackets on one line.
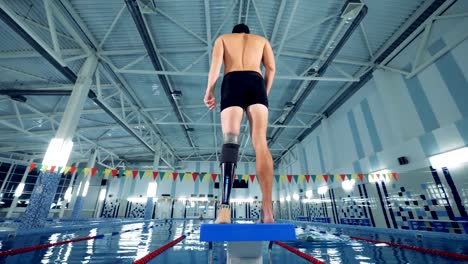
[(216, 63), (269, 63)]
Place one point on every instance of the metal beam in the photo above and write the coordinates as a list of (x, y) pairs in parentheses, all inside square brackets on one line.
[(204, 74), (142, 27), (428, 11), (300, 98), (9, 18)]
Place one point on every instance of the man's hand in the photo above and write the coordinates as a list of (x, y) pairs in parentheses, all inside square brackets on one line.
[(210, 100)]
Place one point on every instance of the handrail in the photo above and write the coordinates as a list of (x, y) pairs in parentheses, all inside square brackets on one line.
[(158, 251), (299, 253), (424, 250)]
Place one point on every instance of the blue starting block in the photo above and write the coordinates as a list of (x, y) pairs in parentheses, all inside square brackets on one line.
[(245, 240), (247, 232)]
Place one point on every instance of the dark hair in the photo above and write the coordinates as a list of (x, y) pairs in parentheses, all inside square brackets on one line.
[(241, 28)]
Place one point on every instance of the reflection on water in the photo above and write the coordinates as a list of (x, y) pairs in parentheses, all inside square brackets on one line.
[(332, 246)]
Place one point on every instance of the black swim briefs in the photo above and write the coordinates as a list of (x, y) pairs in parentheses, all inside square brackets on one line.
[(243, 88)]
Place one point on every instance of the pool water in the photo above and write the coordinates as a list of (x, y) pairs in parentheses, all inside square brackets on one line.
[(327, 244)]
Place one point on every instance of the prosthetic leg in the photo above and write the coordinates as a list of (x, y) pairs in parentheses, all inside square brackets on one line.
[(228, 165)]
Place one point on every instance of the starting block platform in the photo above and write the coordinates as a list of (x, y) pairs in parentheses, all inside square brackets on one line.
[(245, 241)]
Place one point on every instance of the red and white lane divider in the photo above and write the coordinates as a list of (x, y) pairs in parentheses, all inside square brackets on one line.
[(299, 253), (42, 246), (37, 247), (419, 249), (158, 251)]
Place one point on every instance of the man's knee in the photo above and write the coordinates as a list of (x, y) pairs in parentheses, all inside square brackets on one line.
[(259, 143)]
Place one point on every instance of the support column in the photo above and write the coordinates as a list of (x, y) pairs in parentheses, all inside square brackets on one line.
[(16, 197), (59, 150), (149, 199), (78, 207)]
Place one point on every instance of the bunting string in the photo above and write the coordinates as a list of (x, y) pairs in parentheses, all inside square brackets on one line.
[(210, 177)]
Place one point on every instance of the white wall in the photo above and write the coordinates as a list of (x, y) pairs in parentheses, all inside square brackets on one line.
[(389, 117), (393, 116)]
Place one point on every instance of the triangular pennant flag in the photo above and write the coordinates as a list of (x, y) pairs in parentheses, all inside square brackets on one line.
[(361, 177), (141, 174), (72, 170), (208, 176), (128, 173), (239, 177), (331, 178), (325, 177), (155, 174), (93, 171), (174, 176), (86, 172), (147, 174), (289, 178), (295, 178), (201, 176), (283, 177), (59, 169), (181, 176), (114, 172), (66, 170), (343, 177), (52, 169), (167, 175), (252, 177), (355, 177), (121, 173), (79, 171), (245, 177), (307, 178), (371, 177), (107, 173), (44, 168), (320, 178), (277, 177), (378, 175), (349, 176), (39, 167), (32, 166), (214, 176), (134, 174), (301, 178), (194, 176), (395, 176)]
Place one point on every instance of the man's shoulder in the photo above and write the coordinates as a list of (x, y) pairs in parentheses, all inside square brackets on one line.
[(230, 35)]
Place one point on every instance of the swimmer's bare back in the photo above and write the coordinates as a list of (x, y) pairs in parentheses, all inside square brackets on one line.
[(240, 52)]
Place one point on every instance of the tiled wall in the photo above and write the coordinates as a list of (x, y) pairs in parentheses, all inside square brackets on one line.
[(389, 117)]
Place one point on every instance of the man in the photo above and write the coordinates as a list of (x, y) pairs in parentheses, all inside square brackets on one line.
[(243, 89)]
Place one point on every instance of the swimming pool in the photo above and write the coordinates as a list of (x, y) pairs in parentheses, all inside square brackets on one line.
[(331, 245)]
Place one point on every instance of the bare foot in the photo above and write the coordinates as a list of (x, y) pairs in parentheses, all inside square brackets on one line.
[(267, 216), (224, 215)]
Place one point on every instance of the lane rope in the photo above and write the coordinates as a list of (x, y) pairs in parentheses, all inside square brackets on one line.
[(42, 246), (158, 251), (299, 253), (419, 249)]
